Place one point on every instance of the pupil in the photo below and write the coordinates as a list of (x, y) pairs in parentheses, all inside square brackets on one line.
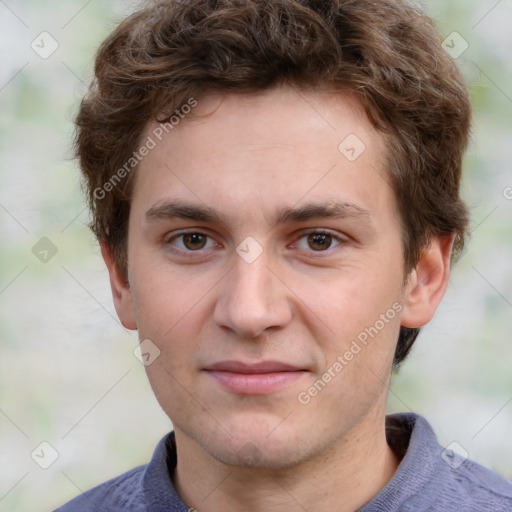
[(319, 241), (194, 241)]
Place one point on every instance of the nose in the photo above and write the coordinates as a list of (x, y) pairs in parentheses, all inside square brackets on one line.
[(252, 299)]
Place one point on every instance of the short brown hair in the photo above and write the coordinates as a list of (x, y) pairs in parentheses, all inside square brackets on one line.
[(388, 53)]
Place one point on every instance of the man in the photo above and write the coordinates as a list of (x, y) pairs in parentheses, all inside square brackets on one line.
[(275, 188)]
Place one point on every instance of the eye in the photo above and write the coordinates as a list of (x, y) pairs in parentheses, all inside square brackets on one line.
[(191, 241), (319, 241)]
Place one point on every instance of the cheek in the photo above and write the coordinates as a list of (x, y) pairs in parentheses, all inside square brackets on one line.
[(165, 297), (352, 301)]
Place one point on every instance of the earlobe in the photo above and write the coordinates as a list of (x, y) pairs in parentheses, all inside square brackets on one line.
[(121, 292), (427, 283)]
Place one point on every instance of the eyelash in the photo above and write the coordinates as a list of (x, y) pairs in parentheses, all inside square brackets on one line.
[(335, 237)]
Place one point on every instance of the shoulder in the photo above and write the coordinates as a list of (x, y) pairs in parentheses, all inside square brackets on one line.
[(145, 488), (482, 488), (113, 495), (433, 478)]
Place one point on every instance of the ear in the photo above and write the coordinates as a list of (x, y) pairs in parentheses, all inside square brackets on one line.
[(121, 292), (427, 282)]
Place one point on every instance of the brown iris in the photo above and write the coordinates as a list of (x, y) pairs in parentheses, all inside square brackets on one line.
[(194, 241), (319, 241)]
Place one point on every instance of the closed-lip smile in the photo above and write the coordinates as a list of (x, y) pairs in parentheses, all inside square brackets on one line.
[(258, 378)]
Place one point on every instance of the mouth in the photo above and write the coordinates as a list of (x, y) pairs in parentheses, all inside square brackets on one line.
[(254, 378)]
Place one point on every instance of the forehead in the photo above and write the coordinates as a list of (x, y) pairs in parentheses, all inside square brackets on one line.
[(246, 153)]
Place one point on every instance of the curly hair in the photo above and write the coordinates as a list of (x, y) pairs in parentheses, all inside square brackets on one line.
[(388, 53)]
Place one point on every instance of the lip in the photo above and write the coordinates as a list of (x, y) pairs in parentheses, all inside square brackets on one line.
[(254, 378), (252, 368)]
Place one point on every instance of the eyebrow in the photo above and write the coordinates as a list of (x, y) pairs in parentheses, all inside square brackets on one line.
[(178, 209)]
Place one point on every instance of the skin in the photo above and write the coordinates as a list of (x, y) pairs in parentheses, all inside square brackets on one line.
[(248, 156)]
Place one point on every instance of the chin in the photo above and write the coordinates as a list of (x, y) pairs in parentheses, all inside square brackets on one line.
[(257, 456), (260, 444)]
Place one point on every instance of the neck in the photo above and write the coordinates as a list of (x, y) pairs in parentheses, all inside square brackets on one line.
[(343, 478)]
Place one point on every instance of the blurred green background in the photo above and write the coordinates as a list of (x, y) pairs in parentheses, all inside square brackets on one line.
[(68, 374)]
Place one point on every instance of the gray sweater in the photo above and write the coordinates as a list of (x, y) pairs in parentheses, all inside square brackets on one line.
[(429, 478)]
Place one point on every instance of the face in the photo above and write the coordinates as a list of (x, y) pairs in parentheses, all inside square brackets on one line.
[(266, 265)]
